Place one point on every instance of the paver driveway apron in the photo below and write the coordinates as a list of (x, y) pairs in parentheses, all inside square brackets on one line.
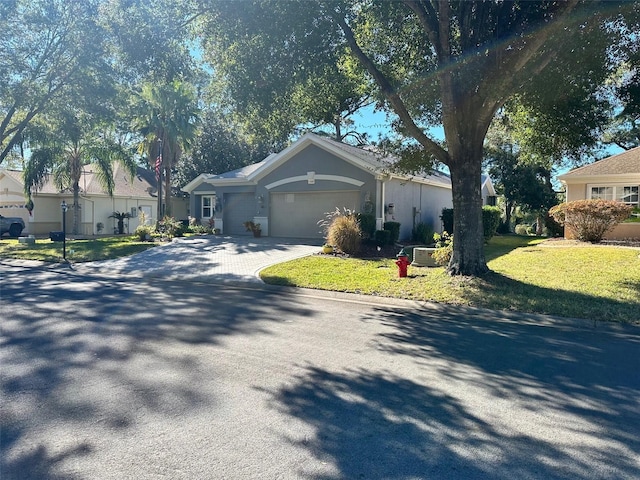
[(207, 258)]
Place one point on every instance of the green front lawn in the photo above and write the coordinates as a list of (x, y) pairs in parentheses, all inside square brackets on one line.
[(77, 250), (599, 283)]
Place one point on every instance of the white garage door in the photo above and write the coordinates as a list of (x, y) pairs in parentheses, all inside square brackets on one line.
[(296, 214)]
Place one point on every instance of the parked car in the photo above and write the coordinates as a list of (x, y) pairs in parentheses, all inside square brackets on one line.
[(11, 225)]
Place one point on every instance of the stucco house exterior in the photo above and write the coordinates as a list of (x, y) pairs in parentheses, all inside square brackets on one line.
[(289, 192), (130, 195), (613, 178)]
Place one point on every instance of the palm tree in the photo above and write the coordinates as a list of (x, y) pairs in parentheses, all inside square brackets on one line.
[(166, 117), (62, 146)]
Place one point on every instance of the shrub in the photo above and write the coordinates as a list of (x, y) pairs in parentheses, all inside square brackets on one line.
[(394, 228), (169, 226), (200, 229), (589, 220), (447, 219), (554, 229), (522, 229), (143, 232), (345, 234), (490, 221), (444, 248), (382, 237), (367, 224), (422, 233), (503, 228)]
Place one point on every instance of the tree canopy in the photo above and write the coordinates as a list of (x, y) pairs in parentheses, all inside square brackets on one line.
[(446, 63)]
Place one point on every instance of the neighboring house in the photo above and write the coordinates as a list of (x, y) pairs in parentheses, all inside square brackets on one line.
[(130, 195), (288, 193), (613, 178)]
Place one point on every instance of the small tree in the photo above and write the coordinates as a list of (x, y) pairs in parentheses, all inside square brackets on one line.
[(120, 217), (589, 220)]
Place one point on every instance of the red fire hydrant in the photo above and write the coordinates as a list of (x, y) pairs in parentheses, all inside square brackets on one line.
[(402, 263)]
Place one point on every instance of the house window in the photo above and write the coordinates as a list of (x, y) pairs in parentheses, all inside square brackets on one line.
[(602, 193), (628, 194), (207, 207)]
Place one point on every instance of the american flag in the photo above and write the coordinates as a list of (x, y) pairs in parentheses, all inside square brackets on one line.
[(158, 164)]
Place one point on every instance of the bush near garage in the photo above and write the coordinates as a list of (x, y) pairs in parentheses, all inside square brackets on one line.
[(422, 233), (367, 224), (382, 237), (345, 233), (394, 228), (590, 220)]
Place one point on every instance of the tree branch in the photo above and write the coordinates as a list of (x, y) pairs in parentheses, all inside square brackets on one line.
[(391, 95)]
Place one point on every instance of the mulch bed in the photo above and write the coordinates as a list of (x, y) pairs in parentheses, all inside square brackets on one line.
[(368, 250)]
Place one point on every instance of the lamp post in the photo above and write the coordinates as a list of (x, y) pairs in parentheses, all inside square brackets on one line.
[(64, 207)]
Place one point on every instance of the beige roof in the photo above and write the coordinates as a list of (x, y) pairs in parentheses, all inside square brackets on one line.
[(623, 163), (140, 186)]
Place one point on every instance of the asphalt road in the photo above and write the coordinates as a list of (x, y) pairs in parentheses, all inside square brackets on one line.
[(130, 379)]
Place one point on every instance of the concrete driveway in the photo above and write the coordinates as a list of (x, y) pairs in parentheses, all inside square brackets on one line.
[(208, 258)]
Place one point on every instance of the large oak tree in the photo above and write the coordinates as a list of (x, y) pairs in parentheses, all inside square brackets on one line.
[(448, 63)]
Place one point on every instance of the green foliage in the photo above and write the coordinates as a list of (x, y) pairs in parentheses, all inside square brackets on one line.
[(444, 248), (345, 234), (144, 232), (590, 220), (367, 223), (169, 226), (51, 52), (422, 233), (490, 221), (120, 217), (554, 229), (382, 237), (394, 228), (447, 219)]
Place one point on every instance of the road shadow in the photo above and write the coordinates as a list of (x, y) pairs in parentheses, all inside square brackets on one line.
[(576, 392), (126, 334)]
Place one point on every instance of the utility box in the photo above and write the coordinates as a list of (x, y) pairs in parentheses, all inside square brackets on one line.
[(56, 236), (423, 257)]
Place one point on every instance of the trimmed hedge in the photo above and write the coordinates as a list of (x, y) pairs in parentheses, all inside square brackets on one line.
[(447, 219), (490, 221), (394, 228), (367, 224), (382, 237)]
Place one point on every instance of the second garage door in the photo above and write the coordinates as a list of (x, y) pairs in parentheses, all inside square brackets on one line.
[(297, 214)]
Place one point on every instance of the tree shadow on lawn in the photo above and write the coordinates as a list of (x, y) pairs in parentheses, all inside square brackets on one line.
[(563, 401), (97, 356), (500, 292)]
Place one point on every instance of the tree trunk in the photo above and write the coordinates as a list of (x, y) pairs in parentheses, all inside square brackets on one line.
[(76, 209), (468, 236), (167, 191), (508, 207)]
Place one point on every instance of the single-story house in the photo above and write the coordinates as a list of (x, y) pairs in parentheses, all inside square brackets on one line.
[(613, 178), (288, 193), (130, 195)]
